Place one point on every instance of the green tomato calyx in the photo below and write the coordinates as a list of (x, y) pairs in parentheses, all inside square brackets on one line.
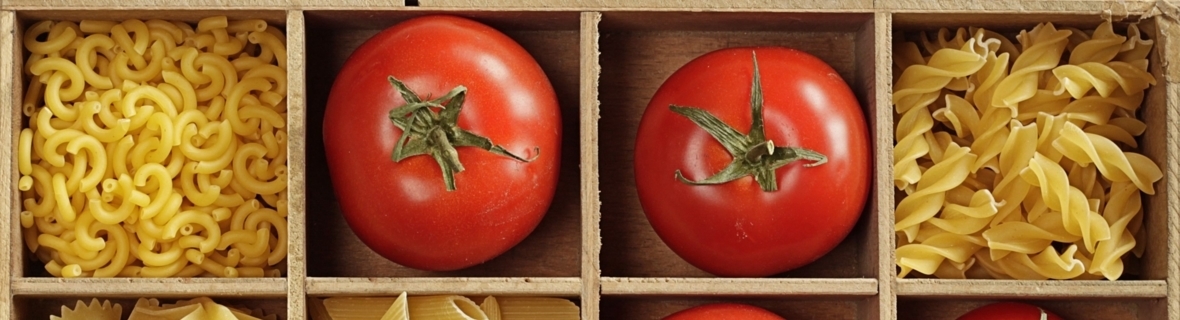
[(426, 131), (753, 154)]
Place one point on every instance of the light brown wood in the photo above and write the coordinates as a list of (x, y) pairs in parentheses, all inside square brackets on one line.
[(564, 287), (618, 52), (1114, 7), (297, 188), (745, 287), (199, 4), (1030, 289), (588, 125), (653, 4), (139, 287), (881, 121), (1169, 34), (8, 193)]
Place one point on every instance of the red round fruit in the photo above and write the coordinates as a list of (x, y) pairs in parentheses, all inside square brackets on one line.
[(795, 212), (724, 311), (401, 208), (1009, 311)]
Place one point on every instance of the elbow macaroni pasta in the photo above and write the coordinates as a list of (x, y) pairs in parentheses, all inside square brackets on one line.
[(154, 149), (1021, 173)]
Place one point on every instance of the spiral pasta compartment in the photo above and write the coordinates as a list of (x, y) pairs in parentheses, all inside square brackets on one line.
[(153, 149), (1016, 160)]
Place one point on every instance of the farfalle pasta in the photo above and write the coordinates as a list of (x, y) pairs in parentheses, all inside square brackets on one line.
[(1017, 160), (154, 149)]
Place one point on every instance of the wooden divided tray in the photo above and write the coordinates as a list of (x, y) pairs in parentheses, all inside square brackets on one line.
[(605, 59)]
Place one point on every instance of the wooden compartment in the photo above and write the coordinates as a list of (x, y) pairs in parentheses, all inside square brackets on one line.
[(1141, 292), (552, 250), (32, 289), (640, 50)]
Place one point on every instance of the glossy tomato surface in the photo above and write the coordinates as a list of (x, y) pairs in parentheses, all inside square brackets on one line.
[(1009, 311), (736, 228), (724, 311), (402, 210)]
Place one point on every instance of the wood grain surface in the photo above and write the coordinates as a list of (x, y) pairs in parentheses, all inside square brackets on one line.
[(605, 59)]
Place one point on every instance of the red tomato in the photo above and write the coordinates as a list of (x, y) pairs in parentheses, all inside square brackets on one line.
[(724, 311), (403, 209), (1009, 311), (737, 228)]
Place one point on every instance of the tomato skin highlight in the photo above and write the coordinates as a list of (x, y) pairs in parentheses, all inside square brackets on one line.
[(402, 209), (724, 311), (1008, 311), (734, 228)]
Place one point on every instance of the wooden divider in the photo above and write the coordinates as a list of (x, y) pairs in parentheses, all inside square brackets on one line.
[(600, 250)]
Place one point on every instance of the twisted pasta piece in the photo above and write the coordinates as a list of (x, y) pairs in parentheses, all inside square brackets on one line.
[(1043, 47), (1114, 164), (926, 200)]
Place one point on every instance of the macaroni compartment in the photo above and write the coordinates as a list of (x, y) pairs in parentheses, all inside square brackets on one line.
[(132, 66)]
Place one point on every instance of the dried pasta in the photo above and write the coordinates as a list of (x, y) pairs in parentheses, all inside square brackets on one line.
[(149, 153), (1024, 170), (151, 309)]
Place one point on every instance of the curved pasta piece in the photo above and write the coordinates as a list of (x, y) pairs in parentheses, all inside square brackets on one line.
[(1043, 47), (1136, 48), (1116, 165), (1079, 79), (920, 85), (925, 202), (927, 256), (969, 219), (1077, 216), (1101, 47), (911, 145)]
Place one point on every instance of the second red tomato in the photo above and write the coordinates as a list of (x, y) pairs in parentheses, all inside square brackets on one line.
[(752, 161)]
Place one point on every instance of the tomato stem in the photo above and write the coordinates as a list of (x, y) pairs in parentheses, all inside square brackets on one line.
[(753, 154), (427, 132)]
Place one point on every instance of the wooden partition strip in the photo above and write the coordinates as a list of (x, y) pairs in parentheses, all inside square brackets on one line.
[(296, 166), (150, 287), (146, 4), (1169, 31), (1115, 8), (591, 204), (882, 123), (745, 287), (655, 4), (10, 118), (351, 286), (1048, 289), (13, 66)]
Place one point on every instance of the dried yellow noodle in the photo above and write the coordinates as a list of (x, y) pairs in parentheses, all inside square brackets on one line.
[(1047, 185), (132, 151), (93, 311)]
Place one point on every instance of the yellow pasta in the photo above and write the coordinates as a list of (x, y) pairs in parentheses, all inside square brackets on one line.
[(1050, 186), (399, 310), (536, 308), (131, 162)]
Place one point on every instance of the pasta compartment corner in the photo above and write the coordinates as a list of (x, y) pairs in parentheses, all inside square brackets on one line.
[(110, 89), (1150, 112)]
